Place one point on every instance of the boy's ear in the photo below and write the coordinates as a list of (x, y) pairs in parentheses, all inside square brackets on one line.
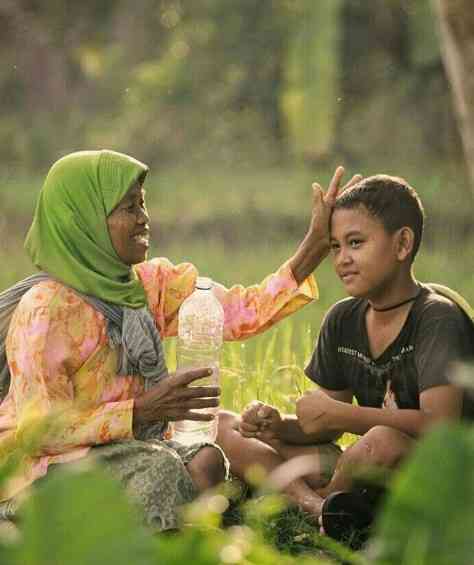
[(405, 238)]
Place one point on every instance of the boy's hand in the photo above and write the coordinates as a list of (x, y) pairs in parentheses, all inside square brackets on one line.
[(260, 421), (314, 412)]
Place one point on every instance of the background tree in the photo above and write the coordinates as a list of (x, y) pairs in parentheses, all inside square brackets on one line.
[(338, 80), (456, 23)]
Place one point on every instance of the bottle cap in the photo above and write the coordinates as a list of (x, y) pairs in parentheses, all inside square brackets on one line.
[(203, 283)]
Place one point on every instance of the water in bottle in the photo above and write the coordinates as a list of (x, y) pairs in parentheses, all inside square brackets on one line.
[(200, 329)]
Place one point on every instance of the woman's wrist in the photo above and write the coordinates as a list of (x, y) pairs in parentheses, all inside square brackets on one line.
[(137, 420), (309, 255), (135, 426)]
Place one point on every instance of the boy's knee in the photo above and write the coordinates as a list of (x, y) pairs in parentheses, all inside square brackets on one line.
[(385, 446), (381, 446), (207, 468)]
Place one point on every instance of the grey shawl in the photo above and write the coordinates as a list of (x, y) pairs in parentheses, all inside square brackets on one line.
[(132, 329)]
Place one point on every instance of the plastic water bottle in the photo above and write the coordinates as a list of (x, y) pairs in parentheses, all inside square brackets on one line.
[(200, 329)]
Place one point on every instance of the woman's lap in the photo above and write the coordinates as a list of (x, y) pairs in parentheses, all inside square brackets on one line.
[(154, 474)]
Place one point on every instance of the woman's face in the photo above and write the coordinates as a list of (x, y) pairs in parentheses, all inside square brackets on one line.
[(129, 227)]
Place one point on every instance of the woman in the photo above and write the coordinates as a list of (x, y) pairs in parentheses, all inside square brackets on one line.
[(84, 336)]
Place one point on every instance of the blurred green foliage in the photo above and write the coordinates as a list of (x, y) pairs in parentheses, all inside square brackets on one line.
[(237, 107), (429, 515), (226, 82), (79, 515), (310, 98)]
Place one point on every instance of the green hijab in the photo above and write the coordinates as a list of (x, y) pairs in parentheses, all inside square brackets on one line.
[(69, 238)]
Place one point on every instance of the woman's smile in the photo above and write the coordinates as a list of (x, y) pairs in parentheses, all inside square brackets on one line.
[(129, 227), (142, 238)]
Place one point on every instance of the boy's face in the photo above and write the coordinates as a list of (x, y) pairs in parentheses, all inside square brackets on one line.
[(364, 253)]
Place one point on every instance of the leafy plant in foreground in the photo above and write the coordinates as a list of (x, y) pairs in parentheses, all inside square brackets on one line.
[(428, 518)]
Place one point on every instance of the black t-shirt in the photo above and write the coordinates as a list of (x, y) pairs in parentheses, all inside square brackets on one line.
[(435, 334)]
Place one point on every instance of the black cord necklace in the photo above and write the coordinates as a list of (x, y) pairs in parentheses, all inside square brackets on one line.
[(402, 303)]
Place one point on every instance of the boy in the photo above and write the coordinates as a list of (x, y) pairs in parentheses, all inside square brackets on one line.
[(391, 346)]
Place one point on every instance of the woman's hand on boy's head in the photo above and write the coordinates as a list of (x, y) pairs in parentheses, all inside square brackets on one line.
[(323, 203), (315, 245), (334, 189)]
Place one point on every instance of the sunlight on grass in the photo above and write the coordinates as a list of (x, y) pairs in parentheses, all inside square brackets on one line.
[(269, 368)]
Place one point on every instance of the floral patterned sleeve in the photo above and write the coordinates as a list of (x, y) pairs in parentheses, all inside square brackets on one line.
[(247, 310), (58, 369)]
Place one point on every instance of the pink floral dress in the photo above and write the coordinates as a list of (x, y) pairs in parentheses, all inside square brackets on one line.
[(62, 366)]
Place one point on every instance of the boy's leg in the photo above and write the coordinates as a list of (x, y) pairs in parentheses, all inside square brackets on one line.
[(381, 447), (207, 468), (317, 463), (243, 453)]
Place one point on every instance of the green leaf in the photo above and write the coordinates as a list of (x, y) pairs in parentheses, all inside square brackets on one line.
[(81, 518), (429, 517)]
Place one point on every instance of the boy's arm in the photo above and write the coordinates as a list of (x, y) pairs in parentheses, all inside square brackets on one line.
[(441, 341), (318, 413), (265, 422), (292, 432)]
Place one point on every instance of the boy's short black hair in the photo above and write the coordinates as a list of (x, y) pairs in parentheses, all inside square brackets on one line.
[(391, 200)]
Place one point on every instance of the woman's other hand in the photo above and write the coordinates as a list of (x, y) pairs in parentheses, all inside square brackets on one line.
[(174, 399), (315, 245)]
